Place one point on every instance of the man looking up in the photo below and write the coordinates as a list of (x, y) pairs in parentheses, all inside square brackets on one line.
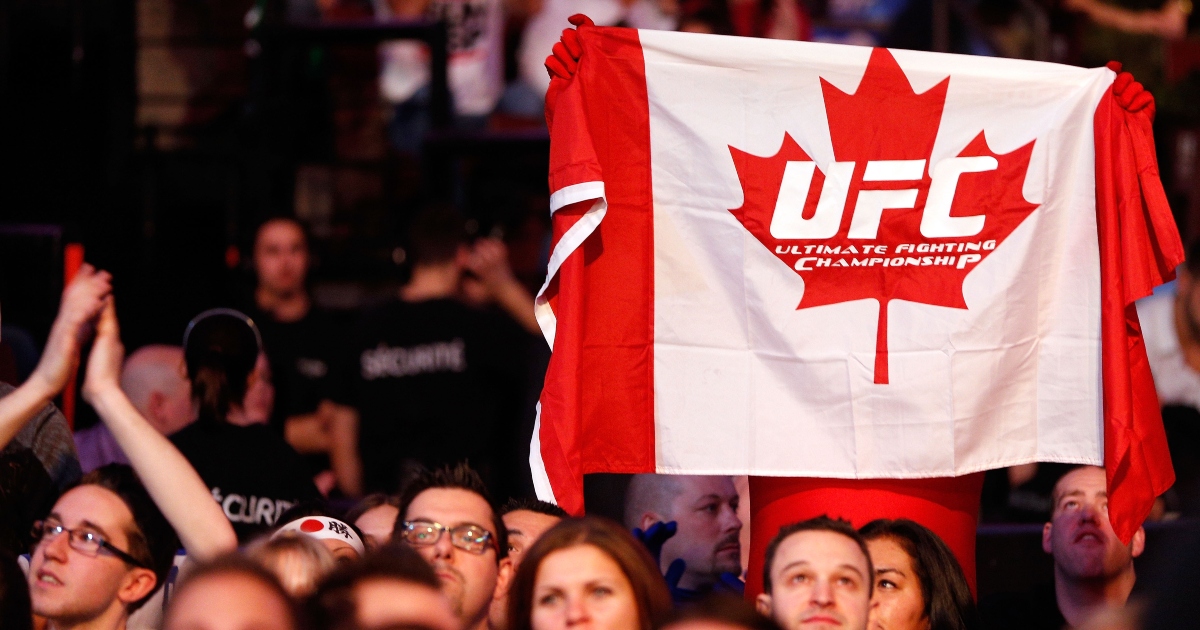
[(445, 515), (526, 520), (153, 378), (704, 509), (817, 575), (1092, 569), (107, 544), (301, 342)]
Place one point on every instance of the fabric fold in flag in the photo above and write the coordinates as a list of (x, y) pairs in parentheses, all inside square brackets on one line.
[(809, 260)]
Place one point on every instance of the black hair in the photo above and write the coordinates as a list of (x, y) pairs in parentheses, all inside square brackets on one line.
[(152, 540), (220, 348), (234, 563), (820, 523), (14, 595), (435, 235), (334, 607), (1192, 260), (724, 609), (462, 477), (944, 589), (370, 502), (533, 505)]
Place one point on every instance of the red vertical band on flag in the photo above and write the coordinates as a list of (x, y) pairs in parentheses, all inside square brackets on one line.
[(1139, 250), (599, 384)]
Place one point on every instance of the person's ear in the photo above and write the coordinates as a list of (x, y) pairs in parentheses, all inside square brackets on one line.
[(1138, 544), (649, 519), (763, 604), (1047, 545), (504, 577), (154, 408), (139, 582)]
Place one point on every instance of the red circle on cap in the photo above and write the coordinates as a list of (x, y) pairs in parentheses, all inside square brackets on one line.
[(311, 526)]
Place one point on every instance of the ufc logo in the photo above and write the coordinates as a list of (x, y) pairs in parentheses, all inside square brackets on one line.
[(936, 222)]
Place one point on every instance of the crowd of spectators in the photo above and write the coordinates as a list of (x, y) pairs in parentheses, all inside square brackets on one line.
[(278, 469), (202, 514)]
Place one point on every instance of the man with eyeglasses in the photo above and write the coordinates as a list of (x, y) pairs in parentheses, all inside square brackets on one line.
[(107, 544), (446, 515)]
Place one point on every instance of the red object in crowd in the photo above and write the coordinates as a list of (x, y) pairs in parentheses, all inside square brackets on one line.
[(72, 261)]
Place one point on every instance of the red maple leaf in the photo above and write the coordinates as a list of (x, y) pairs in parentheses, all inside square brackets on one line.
[(894, 240)]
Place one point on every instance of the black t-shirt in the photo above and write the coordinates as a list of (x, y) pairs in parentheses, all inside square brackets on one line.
[(435, 382), (252, 472), (303, 355), (1034, 610)]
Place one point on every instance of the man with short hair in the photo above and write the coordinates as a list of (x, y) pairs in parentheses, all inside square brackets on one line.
[(526, 520), (301, 343), (392, 587), (101, 552), (447, 517), (426, 360), (704, 508), (154, 379), (107, 544), (817, 575), (1093, 571)]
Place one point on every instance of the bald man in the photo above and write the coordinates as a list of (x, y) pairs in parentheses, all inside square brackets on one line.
[(704, 509), (153, 378)]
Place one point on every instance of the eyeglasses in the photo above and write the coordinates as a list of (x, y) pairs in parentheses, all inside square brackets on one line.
[(470, 538), (84, 541)]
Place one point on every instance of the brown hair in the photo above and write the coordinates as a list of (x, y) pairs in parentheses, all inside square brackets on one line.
[(819, 524), (944, 590), (649, 588), (234, 563), (461, 477), (335, 605), (150, 537)]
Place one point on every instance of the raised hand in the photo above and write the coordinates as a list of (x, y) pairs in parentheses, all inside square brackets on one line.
[(1131, 95), (488, 261), (564, 57), (81, 301), (654, 537), (104, 363), (564, 61)]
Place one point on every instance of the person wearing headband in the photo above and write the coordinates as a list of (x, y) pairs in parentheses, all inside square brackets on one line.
[(251, 471), (338, 536)]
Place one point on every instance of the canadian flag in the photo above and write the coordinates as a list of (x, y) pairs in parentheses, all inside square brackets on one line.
[(793, 259)]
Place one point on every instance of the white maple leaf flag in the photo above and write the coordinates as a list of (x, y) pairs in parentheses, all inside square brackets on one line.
[(795, 259)]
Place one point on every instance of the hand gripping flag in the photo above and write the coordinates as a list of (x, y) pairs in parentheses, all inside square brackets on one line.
[(794, 259)]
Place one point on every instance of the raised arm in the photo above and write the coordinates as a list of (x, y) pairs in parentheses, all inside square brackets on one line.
[(489, 262), (82, 299), (171, 481)]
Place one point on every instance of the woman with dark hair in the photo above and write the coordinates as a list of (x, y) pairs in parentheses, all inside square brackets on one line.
[(918, 582), (250, 469), (589, 567)]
